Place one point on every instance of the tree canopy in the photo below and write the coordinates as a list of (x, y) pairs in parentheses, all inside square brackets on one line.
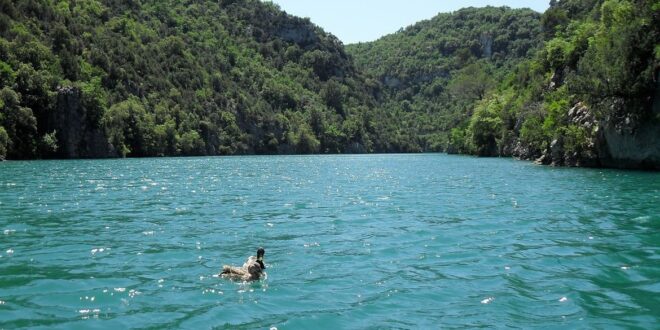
[(436, 72), (105, 78)]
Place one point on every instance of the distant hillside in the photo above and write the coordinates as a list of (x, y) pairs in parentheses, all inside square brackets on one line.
[(433, 72), (106, 78), (577, 86)]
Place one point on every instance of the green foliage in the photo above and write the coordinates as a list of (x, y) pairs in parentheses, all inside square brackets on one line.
[(552, 19), (557, 51), (620, 61), (168, 77), (485, 127), (129, 128), (6, 74), (191, 143), (575, 138), (472, 82), (600, 56), (158, 78), (459, 141), (556, 105), (4, 143), (435, 73), (532, 133), (48, 143), (94, 100), (305, 141), (445, 72), (19, 124)]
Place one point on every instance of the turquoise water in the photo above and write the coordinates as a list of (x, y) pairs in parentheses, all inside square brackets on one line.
[(384, 241)]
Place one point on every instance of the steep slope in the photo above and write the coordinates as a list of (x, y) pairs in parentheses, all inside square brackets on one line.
[(590, 97), (577, 86), (435, 71), (106, 78)]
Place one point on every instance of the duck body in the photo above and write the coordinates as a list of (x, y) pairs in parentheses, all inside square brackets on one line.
[(251, 270)]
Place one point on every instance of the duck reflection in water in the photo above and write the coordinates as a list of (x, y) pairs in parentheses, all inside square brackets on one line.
[(252, 269)]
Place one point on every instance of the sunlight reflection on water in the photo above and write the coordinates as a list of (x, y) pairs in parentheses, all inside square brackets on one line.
[(386, 241)]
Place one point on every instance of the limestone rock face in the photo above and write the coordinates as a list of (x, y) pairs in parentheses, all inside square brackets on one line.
[(77, 134), (630, 139), (297, 32), (392, 82), (637, 148), (626, 142)]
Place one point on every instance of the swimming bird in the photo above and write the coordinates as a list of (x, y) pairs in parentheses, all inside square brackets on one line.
[(251, 270)]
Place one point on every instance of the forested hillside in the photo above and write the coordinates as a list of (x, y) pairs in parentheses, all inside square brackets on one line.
[(588, 98), (107, 78), (435, 71), (577, 86)]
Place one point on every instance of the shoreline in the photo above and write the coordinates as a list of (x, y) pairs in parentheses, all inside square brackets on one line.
[(532, 161)]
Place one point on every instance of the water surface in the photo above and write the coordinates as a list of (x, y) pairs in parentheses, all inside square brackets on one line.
[(382, 241)]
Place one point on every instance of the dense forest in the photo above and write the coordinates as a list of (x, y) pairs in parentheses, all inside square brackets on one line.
[(434, 72), (577, 85), (107, 78)]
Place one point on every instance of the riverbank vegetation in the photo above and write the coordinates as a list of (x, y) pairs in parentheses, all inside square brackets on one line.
[(435, 72), (575, 85), (151, 78)]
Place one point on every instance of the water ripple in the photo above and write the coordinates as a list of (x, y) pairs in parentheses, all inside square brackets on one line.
[(383, 241)]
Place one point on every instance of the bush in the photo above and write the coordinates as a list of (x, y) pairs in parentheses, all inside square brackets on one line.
[(557, 51), (576, 139), (532, 133), (486, 127), (129, 128), (191, 144), (6, 74), (4, 143), (48, 144)]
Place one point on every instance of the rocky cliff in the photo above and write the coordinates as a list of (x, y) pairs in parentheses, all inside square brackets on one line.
[(617, 143), (78, 135), (632, 143)]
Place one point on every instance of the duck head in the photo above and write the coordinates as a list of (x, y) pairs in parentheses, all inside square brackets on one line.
[(260, 257)]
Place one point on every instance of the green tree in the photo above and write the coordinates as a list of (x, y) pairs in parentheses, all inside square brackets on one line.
[(6, 74), (129, 128), (191, 143), (4, 143), (48, 144), (485, 127), (20, 125), (620, 61), (472, 82)]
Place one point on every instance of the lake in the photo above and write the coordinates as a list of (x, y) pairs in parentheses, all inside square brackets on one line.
[(369, 241)]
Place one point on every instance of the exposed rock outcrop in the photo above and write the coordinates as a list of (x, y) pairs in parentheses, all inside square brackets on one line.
[(79, 136), (622, 143), (297, 31), (631, 141), (638, 149), (392, 82)]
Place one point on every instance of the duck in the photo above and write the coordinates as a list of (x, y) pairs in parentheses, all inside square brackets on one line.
[(251, 270)]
